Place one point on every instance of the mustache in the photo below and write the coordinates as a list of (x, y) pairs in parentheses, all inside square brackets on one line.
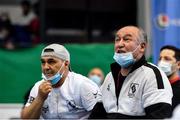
[(48, 72), (120, 51)]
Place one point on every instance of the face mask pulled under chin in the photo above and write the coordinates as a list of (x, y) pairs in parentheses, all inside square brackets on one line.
[(125, 59), (166, 67), (55, 78)]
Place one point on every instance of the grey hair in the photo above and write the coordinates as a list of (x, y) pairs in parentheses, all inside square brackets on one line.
[(142, 36)]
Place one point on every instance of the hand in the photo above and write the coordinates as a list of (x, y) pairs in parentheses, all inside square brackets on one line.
[(44, 89)]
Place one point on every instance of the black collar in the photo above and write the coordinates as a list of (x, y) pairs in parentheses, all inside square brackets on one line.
[(115, 67)]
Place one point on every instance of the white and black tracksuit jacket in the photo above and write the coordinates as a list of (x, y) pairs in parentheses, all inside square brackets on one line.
[(144, 93)]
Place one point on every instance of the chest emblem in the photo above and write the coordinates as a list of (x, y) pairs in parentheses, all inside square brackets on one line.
[(132, 89)]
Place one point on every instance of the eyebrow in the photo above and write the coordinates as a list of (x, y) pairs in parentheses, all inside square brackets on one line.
[(127, 35), (51, 59)]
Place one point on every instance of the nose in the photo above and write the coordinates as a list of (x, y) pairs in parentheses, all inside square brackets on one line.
[(46, 66), (120, 43)]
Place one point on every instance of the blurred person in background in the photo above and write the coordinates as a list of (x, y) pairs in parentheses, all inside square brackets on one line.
[(27, 14), (6, 32), (96, 75), (27, 26), (61, 93), (134, 88), (169, 62)]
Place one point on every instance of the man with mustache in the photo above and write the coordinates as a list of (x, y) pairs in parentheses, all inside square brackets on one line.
[(133, 88), (62, 93)]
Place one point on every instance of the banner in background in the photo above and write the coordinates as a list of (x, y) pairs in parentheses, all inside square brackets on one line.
[(165, 25), (20, 69)]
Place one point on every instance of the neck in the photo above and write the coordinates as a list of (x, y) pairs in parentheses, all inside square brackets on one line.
[(139, 60), (125, 71), (174, 77)]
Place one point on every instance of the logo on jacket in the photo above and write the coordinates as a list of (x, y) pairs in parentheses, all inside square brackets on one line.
[(45, 108), (132, 89), (109, 86), (72, 107), (31, 99), (95, 94)]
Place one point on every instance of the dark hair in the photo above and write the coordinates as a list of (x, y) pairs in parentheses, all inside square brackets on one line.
[(175, 49), (26, 3)]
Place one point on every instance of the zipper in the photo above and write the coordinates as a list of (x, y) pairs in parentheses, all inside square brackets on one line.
[(117, 98)]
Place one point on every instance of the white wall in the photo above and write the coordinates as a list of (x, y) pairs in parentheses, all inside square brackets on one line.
[(8, 111), (13, 11), (144, 21)]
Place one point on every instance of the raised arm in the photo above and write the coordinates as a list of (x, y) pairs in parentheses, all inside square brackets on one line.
[(32, 109)]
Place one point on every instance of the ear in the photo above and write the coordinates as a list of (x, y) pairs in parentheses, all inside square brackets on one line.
[(178, 65), (143, 46), (67, 63)]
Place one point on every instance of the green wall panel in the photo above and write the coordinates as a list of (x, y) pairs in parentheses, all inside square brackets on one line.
[(20, 69)]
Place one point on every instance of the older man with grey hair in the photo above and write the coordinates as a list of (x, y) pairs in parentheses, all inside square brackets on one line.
[(133, 88)]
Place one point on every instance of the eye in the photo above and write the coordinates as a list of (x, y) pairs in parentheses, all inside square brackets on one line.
[(117, 38), (42, 61), (160, 58), (126, 38), (51, 61), (167, 58)]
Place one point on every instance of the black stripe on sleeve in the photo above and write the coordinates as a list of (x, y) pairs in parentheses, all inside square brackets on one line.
[(98, 112), (158, 111), (158, 76)]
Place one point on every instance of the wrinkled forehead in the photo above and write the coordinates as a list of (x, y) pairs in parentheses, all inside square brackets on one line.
[(130, 31)]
